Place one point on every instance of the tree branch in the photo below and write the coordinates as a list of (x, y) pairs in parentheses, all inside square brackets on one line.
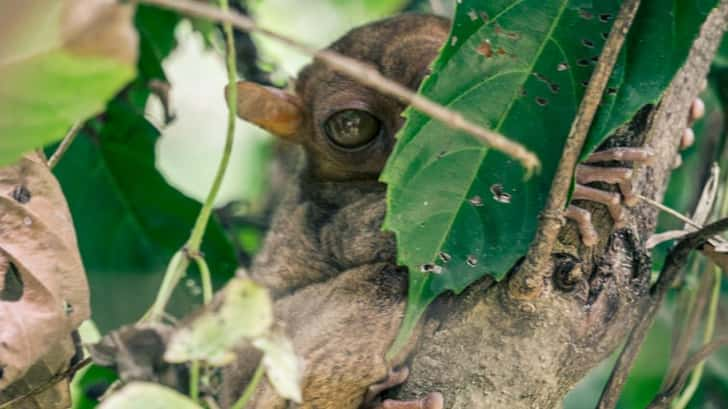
[(675, 261), (364, 74), (528, 282)]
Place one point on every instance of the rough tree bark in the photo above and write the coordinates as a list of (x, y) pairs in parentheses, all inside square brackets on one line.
[(483, 349)]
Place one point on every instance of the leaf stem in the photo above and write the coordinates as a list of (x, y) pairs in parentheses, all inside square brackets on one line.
[(250, 388), (174, 273), (205, 277), (65, 143), (198, 231), (195, 381), (180, 261)]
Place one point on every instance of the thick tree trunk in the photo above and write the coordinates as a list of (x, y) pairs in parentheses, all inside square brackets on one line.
[(483, 349)]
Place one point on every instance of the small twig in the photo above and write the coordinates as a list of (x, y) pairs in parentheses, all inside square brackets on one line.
[(527, 283), (65, 143), (668, 394), (364, 74), (674, 262), (678, 215), (672, 212)]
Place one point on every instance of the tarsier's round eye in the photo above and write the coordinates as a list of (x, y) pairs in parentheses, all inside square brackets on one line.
[(352, 128)]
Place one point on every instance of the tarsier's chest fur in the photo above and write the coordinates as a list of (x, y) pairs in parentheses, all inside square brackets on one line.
[(321, 229)]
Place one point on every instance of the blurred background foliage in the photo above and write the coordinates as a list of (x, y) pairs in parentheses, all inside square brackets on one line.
[(167, 129)]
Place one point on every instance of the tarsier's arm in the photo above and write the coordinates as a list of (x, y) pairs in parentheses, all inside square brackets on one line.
[(340, 295)]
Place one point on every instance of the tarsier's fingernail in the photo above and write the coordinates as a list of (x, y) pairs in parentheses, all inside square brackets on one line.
[(688, 138), (697, 110), (433, 401)]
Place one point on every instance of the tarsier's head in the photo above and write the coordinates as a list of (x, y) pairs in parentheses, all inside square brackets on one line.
[(346, 128)]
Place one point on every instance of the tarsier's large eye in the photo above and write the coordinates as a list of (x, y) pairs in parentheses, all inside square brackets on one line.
[(352, 128)]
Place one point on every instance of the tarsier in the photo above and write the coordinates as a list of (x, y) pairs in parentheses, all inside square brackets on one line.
[(339, 293)]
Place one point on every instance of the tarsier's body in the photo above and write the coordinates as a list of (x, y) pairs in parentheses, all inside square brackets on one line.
[(339, 293)]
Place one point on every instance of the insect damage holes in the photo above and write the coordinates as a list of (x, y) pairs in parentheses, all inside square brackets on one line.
[(431, 268), (486, 49), (499, 195)]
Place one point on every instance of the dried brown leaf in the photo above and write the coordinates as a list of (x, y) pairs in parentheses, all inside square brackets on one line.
[(43, 293)]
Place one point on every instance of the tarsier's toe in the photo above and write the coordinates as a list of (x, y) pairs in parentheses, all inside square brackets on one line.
[(583, 221), (620, 176), (433, 400), (396, 377)]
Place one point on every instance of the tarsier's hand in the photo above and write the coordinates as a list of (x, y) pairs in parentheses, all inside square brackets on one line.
[(587, 173)]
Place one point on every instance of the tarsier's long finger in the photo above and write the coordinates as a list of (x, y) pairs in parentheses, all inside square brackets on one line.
[(433, 400), (583, 221), (609, 199), (615, 176), (395, 377), (625, 154)]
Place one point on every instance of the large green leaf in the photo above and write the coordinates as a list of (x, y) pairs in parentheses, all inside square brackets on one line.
[(60, 61), (520, 67), (129, 220)]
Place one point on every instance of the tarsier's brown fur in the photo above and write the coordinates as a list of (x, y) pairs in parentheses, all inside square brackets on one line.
[(339, 293)]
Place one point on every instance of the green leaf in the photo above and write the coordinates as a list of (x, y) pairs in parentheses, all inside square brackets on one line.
[(142, 395), (665, 34), (64, 73), (129, 220), (245, 311), (520, 67), (89, 384)]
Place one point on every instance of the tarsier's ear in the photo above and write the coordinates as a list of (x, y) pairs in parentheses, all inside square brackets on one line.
[(272, 109)]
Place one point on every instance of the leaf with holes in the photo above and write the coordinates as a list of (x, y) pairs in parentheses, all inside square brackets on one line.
[(43, 290), (520, 67), (62, 73)]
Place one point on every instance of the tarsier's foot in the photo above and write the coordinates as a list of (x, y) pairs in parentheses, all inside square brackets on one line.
[(395, 378), (621, 176)]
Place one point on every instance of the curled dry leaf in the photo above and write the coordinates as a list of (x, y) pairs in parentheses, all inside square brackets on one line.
[(43, 290), (60, 62)]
